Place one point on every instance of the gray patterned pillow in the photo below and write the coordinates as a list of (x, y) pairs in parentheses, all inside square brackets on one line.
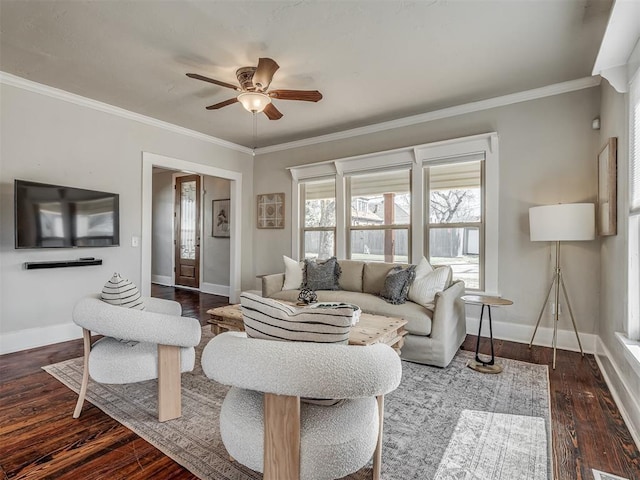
[(321, 275), (397, 283)]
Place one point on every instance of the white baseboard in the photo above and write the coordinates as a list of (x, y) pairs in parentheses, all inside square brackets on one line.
[(522, 334), (38, 337), (629, 409), (165, 280), (222, 290)]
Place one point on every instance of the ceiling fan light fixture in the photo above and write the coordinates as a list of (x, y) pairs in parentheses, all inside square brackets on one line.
[(254, 102)]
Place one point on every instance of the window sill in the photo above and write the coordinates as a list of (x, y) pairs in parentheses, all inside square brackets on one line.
[(631, 350)]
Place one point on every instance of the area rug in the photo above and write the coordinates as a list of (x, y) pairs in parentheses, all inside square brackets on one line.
[(427, 420)]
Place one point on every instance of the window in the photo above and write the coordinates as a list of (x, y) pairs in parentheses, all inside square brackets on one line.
[(454, 212), (634, 211), (319, 218), (392, 206), (380, 216)]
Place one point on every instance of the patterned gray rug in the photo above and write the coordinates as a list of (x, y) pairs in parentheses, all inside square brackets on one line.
[(452, 423)]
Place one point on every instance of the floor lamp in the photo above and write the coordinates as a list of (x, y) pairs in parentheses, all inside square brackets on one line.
[(559, 223)]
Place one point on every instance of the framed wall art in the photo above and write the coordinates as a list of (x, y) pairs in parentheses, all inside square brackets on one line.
[(607, 198), (221, 218), (271, 210)]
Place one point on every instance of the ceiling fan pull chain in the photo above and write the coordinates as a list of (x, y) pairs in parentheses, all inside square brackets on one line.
[(255, 132)]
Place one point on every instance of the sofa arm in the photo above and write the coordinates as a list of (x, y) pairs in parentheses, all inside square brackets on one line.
[(449, 317), (272, 284)]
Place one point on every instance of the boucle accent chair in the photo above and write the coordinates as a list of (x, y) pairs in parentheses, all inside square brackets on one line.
[(265, 427), (138, 345)]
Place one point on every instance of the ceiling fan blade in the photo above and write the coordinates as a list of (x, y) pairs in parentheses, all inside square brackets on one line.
[(264, 73), (231, 101), (305, 95), (272, 112), (211, 80)]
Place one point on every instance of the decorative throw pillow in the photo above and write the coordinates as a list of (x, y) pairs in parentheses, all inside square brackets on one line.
[(122, 292), (321, 275), (292, 274), (269, 319), (425, 286), (397, 283)]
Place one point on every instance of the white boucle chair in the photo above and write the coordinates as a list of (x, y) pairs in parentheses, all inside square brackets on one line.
[(265, 427), (138, 345)]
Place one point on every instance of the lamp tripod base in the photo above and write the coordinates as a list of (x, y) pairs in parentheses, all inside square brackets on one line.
[(484, 367), (558, 281)]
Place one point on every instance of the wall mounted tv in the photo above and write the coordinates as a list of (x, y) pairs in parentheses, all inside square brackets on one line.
[(53, 216)]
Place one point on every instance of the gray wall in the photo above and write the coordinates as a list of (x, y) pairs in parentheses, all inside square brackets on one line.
[(49, 140), (215, 251), (614, 260), (162, 224), (547, 155)]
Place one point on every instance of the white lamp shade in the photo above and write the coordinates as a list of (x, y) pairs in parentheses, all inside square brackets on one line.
[(562, 222)]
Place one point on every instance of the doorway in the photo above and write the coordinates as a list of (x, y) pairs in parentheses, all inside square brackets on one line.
[(151, 160), (187, 231)]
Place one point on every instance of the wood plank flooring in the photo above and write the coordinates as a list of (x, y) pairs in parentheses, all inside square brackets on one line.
[(39, 438)]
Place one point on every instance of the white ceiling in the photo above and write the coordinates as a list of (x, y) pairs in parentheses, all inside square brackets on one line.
[(373, 61)]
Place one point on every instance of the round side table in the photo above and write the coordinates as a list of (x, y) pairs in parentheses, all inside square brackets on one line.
[(486, 301)]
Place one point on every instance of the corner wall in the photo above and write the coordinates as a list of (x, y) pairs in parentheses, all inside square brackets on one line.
[(547, 155), (51, 140), (623, 379)]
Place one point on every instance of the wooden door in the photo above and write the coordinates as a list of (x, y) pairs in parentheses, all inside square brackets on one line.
[(187, 231)]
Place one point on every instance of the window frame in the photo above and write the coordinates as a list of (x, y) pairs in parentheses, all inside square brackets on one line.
[(411, 157), (303, 228), (349, 227), (481, 225), (633, 217)]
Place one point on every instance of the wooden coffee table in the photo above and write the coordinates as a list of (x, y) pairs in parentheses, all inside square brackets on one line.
[(369, 330)]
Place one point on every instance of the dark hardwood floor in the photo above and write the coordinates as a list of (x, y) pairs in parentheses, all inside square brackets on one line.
[(40, 439)]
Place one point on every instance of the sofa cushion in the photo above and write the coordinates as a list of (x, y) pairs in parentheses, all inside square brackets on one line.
[(374, 275), (321, 275), (417, 316), (292, 273), (351, 275), (269, 319), (397, 283)]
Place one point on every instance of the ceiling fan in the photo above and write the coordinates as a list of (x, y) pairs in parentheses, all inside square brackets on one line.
[(254, 83)]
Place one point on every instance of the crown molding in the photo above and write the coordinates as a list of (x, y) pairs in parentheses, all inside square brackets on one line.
[(525, 96), (547, 91), (19, 82)]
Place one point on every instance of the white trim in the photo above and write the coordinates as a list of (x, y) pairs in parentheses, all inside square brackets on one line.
[(527, 95), (165, 280), (515, 332), (488, 145), (23, 83), (149, 160), (38, 337), (631, 351), (620, 38), (413, 157), (629, 410), (212, 288)]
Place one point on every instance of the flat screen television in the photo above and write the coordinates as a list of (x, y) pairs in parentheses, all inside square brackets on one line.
[(53, 216)]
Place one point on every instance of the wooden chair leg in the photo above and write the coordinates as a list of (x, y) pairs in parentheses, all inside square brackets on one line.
[(281, 437), (169, 383), (377, 455), (86, 335)]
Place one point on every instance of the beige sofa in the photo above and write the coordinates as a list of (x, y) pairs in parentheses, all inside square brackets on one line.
[(434, 334)]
